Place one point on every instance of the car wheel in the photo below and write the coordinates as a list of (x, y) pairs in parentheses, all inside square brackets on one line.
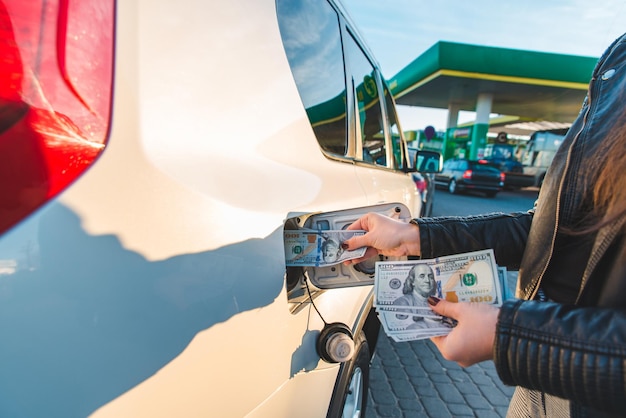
[(452, 187), (491, 194), (350, 394)]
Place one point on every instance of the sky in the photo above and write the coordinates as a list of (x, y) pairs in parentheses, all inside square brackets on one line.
[(398, 31)]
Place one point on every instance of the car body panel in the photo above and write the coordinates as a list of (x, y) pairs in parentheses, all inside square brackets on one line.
[(155, 284)]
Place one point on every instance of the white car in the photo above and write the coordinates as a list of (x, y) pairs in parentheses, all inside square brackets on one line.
[(152, 155)]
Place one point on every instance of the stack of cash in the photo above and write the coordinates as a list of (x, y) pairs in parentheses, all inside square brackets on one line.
[(402, 288)]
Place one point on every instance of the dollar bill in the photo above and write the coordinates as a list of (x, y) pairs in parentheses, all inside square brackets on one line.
[(402, 288), (507, 293), (468, 277), (418, 335), (308, 247), (405, 321)]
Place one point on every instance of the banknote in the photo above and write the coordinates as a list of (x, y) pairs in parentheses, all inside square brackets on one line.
[(402, 288), (507, 293), (405, 321), (309, 247), (467, 277), (418, 335)]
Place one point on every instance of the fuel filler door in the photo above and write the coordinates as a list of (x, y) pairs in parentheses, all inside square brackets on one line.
[(338, 275)]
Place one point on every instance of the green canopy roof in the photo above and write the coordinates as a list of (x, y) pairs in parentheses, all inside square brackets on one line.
[(529, 84)]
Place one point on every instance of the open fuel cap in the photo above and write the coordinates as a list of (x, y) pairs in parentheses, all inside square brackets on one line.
[(335, 343)]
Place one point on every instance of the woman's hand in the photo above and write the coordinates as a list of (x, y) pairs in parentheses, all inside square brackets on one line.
[(385, 235), (471, 341)]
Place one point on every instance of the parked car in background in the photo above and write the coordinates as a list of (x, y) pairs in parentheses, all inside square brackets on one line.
[(540, 151), (425, 183), (154, 156), (502, 157), (460, 175)]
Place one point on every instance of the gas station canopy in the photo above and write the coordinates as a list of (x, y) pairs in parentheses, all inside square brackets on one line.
[(528, 85)]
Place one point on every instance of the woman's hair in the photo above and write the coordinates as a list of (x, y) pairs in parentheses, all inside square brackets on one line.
[(608, 195)]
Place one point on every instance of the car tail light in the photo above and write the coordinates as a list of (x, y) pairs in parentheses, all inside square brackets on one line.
[(467, 174), (420, 183), (55, 97), (502, 176)]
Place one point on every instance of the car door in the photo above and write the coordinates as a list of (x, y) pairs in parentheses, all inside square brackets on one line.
[(380, 150)]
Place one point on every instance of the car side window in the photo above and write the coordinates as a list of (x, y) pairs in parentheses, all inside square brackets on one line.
[(312, 39), (369, 117)]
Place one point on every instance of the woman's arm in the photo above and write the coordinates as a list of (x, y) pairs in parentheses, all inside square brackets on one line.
[(435, 237), (576, 353), (505, 233)]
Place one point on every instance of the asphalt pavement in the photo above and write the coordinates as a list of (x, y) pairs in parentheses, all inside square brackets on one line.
[(411, 379)]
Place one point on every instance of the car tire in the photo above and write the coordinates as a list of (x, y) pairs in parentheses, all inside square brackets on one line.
[(351, 389), (452, 187), (491, 194)]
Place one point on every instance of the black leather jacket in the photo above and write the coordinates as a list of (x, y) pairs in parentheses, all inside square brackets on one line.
[(575, 349)]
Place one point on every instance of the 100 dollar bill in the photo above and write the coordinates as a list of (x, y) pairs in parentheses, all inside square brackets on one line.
[(468, 277), (308, 247), (402, 288)]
